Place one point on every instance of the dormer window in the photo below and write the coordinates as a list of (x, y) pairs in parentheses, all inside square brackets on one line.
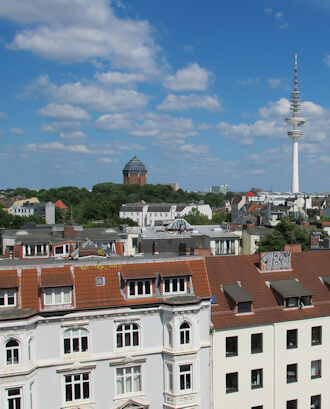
[(238, 299), (291, 293), (8, 297), (175, 285), (57, 295), (140, 288)]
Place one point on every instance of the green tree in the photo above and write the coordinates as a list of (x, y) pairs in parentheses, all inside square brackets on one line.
[(285, 233), (220, 217), (196, 217)]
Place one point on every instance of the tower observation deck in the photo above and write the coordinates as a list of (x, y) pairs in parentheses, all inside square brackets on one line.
[(295, 120)]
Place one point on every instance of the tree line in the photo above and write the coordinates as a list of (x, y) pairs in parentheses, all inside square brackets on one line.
[(103, 203)]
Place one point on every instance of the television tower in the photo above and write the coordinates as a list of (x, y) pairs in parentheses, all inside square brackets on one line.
[(295, 120)]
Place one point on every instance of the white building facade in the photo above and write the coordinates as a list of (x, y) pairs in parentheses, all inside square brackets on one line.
[(139, 348)]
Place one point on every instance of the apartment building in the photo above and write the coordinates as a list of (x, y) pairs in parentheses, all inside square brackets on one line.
[(126, 335), (271, 330)]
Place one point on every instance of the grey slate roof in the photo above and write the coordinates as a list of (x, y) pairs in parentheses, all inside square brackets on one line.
[(237, 293), (290, 288), (134, 166)]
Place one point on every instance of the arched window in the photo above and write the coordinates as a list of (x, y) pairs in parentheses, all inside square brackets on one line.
[(185, 333), (12, 352), (75, 340), (128, 335)]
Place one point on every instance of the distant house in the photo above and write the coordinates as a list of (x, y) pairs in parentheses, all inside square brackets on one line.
[(153, 214), (60, 205)]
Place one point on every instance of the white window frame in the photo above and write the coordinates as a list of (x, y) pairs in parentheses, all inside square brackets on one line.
[(135, 286), (7, 294), (185, 377), (75, 337), (53, 291), (128, 380), (185, 333), (174, 285), (14, 401), (73, 382), (169, 377), (169, 336), (11, 352), (127, 332)]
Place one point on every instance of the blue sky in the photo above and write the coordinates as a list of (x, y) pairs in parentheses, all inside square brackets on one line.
[(198, 90)]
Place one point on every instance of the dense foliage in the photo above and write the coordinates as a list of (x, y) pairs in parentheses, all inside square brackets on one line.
[(285, 233), (104, 201)]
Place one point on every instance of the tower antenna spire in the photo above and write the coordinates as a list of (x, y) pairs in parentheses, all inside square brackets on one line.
[(295, 73), (295, 120)]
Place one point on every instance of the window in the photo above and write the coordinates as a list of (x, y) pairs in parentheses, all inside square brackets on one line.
[(185, 330), (12, 352), (169, 377), (231, 346), (302, 301), (291, 373), (291, 338), (292, 404), (128, 335), (128, 380), (316, 402), (256, 343), (137, 288), (316, 335), (185, 377), (75, 340), (291, 302), (57, 295), (256, 378), (175, 285), (8, 297), (231, 382), (169, 336), (77, 387), (243, 307), (316, 369), (14, 398)]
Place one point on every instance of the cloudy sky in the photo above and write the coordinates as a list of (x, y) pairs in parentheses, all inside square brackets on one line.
[(198, 90)]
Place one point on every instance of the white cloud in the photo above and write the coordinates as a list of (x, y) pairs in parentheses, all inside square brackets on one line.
[(185, 102), (326, 60), (278, 83), (73, 135), (64, 112), (258, 172), (61, 126), (119, 78), (163, 126), (192, 78), (80, 30), (278, 16), (325, 159), (280, 108), (3, 115), (17, 131), (114, 122), (92, 96)]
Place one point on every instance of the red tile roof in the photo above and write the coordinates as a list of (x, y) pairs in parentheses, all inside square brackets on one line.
[(87, 294), (61, 205), (56, 277), (307, 267), (8, 278)]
